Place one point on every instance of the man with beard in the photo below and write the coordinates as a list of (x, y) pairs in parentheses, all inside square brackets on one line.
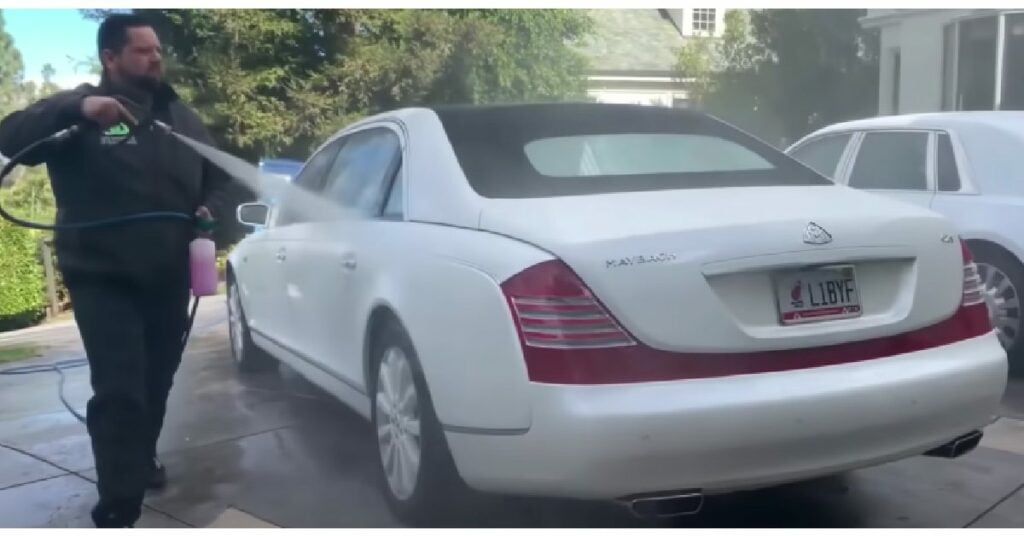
[(128, 283)]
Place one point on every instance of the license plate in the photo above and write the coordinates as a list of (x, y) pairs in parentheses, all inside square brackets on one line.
[(817, 294)]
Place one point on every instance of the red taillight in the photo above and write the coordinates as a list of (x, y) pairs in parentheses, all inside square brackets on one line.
[(553, 309)]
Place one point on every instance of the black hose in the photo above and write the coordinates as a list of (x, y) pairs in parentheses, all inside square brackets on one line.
[(15, 161)]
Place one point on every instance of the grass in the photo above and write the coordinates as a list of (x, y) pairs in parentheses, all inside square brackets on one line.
[(18, 353)]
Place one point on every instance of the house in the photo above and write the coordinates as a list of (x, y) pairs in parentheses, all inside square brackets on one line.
[(949, 59), (632, 53)]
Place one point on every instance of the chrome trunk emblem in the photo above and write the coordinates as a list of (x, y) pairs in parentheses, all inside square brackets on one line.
[(816, 234)]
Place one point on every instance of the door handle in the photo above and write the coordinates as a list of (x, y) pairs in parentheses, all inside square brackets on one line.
[(349, 263), (281, 255)]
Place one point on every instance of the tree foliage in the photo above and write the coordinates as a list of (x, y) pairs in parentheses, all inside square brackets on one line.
[(11, 70), (784, 72), (277, 81), (21, 287)]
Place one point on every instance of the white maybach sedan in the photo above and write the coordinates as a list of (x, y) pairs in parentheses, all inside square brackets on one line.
[(612, 302)]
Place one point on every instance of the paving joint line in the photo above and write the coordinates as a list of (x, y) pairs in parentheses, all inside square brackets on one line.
[(144, 504), (37, 458), (36, 481), (254, 516), (994, 506)]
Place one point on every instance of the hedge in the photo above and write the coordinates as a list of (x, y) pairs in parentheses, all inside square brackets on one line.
[(22, 300)]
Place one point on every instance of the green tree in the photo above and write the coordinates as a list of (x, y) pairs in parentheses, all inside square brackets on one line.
[(277, 81), (48, 87), (11, 71), (781, 73), (21, 287), (89, 64)]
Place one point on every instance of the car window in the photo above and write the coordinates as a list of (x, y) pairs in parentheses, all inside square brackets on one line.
[(948, 175), (361, 171), (310, 179), (394, 208), (639, 154), (823, 154), (572, 149), (892, 161)]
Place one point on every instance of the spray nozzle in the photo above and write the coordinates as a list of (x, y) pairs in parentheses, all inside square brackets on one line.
[(163, 126)]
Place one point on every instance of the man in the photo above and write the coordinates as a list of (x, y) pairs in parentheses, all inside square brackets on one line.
[(128, 283)]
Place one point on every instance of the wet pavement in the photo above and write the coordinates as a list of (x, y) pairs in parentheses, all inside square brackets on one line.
[(269, 449)]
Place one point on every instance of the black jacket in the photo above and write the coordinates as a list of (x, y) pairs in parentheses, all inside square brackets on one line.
[(101, 173)]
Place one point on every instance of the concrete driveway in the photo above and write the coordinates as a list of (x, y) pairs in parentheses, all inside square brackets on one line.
[(271, 450)]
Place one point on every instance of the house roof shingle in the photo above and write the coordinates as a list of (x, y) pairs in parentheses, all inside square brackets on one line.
[(631, 40)]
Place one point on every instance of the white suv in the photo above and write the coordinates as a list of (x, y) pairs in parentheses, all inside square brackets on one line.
[(968, 166)]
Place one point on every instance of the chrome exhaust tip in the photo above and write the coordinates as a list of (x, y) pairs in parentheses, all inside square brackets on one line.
[(664, 505), (957, 447)]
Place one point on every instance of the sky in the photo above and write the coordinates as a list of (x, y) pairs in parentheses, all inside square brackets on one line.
[(50, 36)]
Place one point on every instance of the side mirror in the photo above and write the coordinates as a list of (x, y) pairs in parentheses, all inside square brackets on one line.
[(253, 214)]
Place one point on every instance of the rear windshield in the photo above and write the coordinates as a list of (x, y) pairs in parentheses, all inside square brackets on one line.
[(551, 150)]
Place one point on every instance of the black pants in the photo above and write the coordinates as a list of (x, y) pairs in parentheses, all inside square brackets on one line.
[(132, 334)]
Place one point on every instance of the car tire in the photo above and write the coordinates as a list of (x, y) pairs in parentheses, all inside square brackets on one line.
[(1003, 277), (421, 497), (247, 356)]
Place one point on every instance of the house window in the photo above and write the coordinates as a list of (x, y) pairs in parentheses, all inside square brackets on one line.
[(976, 68), (983, 63), (1013, 63), (704, 21), (948, 66), (895, 97)]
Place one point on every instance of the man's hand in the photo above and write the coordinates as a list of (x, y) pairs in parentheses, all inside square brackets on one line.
[(106, 111)]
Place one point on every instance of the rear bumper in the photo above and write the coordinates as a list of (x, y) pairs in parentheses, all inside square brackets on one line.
[(738, 432)]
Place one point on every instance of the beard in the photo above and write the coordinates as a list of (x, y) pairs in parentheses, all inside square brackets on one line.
[(145, 82)]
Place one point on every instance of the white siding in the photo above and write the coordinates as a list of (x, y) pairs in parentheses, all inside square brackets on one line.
[(918, 37)]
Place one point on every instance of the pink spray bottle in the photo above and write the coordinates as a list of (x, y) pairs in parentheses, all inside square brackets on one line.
[(202, 262)]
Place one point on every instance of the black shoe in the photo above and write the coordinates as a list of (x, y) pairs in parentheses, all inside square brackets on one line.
[(115, 516), (157, 476)]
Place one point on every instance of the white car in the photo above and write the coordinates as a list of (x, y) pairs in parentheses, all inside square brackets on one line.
[(612, 302), (967, 166)]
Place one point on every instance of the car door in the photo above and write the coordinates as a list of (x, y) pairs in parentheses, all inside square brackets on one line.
[(895, 163), (329, 262), (274, 315)]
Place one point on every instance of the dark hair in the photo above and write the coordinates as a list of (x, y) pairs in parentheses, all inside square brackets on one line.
[(113, 32)]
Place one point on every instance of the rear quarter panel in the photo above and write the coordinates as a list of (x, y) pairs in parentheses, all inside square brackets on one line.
[(442, 283), (997, 219)]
